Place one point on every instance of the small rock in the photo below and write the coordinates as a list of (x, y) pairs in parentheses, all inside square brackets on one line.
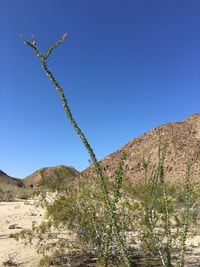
[(14, 226), (33, 214)]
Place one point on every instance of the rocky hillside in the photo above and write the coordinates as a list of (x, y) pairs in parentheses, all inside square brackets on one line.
[(53, 174), (183, 141), (7, 180)]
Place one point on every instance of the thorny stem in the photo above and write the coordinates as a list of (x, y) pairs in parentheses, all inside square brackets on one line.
[(156, 239), (77, 128), (185, 218), (118, 178), (65, 104), (166, 205), (167, 227), (111, 205), (158, 177)]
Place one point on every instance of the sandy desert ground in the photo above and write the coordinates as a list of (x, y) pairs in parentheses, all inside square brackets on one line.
[(23, 213)]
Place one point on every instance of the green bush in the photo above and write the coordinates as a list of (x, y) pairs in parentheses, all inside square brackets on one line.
[(153, 216)]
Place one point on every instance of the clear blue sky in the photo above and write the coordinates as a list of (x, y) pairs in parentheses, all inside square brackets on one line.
[(127, 67)]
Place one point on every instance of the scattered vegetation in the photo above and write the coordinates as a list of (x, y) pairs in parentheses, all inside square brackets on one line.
[(12, 193), (113, 220)]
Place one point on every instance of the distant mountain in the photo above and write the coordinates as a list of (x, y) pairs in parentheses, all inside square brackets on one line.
[(52, 174), (8, 180), (183, 141)]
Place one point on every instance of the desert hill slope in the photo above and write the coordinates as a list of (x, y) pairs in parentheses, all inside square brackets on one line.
[(183, 142), (182, 139), (53, 174), (8, 180)]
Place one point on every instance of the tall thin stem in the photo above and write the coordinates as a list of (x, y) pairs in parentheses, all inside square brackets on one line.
[(101, 177)]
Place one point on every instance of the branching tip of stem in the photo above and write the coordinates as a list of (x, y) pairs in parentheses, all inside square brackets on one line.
[(64, 36), (33, 39), (22, 37)]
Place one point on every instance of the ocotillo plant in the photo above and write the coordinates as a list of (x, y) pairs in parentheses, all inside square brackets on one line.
[(160, 214), (113, 226)]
